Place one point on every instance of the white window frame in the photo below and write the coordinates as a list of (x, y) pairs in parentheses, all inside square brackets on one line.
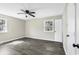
[(52, 26), (5, 26)]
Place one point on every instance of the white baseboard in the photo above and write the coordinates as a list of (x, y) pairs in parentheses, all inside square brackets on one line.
[(11, 39), (42, 39), (26, 37)]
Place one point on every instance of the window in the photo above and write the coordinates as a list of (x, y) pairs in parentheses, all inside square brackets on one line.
[(49, 26), (3, 27)]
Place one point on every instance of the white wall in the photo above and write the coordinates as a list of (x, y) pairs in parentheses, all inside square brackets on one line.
[(15, 27), (35, 29)]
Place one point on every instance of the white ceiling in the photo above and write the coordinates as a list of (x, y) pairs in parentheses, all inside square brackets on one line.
[(41, 9)]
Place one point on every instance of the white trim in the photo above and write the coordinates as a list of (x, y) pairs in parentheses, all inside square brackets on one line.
[(65, 50), (42, 39), (11, 39), (53, 26), (26, 37), (5, 29)]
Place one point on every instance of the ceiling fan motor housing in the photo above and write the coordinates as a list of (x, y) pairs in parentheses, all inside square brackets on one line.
[(27, 11)]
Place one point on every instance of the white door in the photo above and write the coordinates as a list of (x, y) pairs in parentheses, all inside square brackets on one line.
[(58, 30), (70, 29), (71, 25)]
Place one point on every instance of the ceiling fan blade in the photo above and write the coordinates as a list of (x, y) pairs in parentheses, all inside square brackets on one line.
[(31, 15), (20, 13), (22, 10), (32, 12)]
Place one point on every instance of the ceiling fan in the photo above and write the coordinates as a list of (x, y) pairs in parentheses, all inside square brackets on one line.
[(27, 12)]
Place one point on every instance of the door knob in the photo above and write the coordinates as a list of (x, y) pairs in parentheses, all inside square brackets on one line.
[(67, 35), (76, 45)]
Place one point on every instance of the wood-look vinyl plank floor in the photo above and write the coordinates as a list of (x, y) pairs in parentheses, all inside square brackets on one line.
[(29, 46)]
